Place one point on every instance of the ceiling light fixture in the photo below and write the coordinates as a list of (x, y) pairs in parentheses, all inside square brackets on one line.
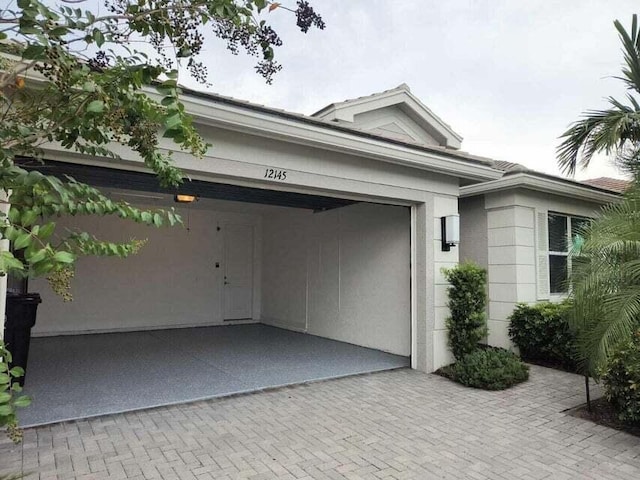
[(184, 198)]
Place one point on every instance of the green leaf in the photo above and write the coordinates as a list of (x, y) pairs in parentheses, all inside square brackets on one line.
[(34, 52), (23, 241), (64, 257), (173, 121), (98, 37), (22, 401), (89, 87), (46, 230), (6, 410), (14, 214), (5, 397), (5, 378), (96, 106), (38, 256), (17, 372), (28, 217)]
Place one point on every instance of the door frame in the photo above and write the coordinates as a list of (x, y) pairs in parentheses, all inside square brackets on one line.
[(256, 293)]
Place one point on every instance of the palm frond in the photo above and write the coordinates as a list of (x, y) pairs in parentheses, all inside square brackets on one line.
[(606, 280), (613, 130), (631, 48)]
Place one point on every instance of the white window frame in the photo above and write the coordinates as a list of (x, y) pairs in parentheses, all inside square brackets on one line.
[(568, 217)]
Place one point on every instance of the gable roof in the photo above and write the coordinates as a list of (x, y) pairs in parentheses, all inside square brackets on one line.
[(401, 97), (614, 184), (219, 110), (509, 166)]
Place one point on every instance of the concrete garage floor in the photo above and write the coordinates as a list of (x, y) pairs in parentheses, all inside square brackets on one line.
[(79, 376)]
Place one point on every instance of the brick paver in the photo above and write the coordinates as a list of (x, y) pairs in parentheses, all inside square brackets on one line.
[(393, 425)]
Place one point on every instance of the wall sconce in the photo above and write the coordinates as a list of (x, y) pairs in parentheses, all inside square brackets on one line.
[(183, 198), (450, 231)]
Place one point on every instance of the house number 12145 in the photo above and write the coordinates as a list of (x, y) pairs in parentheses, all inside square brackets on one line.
[(275, 174)]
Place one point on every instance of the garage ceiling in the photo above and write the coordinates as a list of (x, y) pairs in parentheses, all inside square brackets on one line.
[(145, 182)]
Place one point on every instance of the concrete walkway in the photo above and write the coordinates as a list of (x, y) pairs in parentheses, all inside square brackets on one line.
[(398, 424)]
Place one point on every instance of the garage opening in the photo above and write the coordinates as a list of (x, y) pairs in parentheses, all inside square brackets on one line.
[(261, 288)]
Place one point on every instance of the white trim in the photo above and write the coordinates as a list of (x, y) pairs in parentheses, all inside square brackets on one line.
[(401, 95), (414, 288), (270, 125), (78, 159), (530, 181)]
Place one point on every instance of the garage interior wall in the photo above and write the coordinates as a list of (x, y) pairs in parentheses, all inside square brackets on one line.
[(342, 274), (171, 282)]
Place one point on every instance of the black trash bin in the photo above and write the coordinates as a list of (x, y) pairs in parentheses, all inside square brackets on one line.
[(21, 317)]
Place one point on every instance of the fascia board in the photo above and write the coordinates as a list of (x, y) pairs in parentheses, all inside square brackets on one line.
[(272, 126), (431, 117), (540, 184)]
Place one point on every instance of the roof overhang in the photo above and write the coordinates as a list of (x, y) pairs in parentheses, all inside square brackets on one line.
[(227, 113), (542, 183), (254, 119)]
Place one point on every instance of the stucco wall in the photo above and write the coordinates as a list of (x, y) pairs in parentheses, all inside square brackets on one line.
[(342, 274), (171, 282), (473, 231), (392, 122), (512, 229), (442, 206)]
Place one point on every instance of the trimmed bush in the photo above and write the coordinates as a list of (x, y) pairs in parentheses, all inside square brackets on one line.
[(467, 324), (621, 380), (490, 369), (542, 334)]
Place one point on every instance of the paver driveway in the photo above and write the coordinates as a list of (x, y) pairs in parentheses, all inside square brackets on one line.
[(392, 425)]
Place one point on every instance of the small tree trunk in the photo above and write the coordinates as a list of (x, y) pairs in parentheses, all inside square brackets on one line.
[(586, 386)]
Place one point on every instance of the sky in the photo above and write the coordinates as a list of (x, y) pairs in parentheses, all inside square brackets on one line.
[(509, 76)]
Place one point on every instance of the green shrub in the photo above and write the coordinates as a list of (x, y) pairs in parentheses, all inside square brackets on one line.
[(621, 380), (490, 369), (10, 399), (541, 333), (467, 323)]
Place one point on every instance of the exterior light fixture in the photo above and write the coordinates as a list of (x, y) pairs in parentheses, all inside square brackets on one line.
[(184, 198), (450, 231)]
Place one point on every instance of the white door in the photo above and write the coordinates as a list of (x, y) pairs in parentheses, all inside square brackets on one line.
[(238, 271)]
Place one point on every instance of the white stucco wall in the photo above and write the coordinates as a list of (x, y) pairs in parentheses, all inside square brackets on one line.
[(511, 222), (442, 206), (171, 282), (392, 122), (473, 231), (342, 274)]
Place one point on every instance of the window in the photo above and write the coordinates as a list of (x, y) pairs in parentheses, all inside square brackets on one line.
[(563, 230)]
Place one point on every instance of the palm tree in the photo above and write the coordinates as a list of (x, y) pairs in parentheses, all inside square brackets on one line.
[(605, 278), (616, 130), (606, 281)]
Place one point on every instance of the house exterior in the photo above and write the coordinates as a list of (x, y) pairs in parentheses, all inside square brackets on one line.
[(328, 224), (520, 228)]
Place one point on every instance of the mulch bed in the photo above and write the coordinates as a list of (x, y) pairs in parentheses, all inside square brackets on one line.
[(554, 365), (602, 414)]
